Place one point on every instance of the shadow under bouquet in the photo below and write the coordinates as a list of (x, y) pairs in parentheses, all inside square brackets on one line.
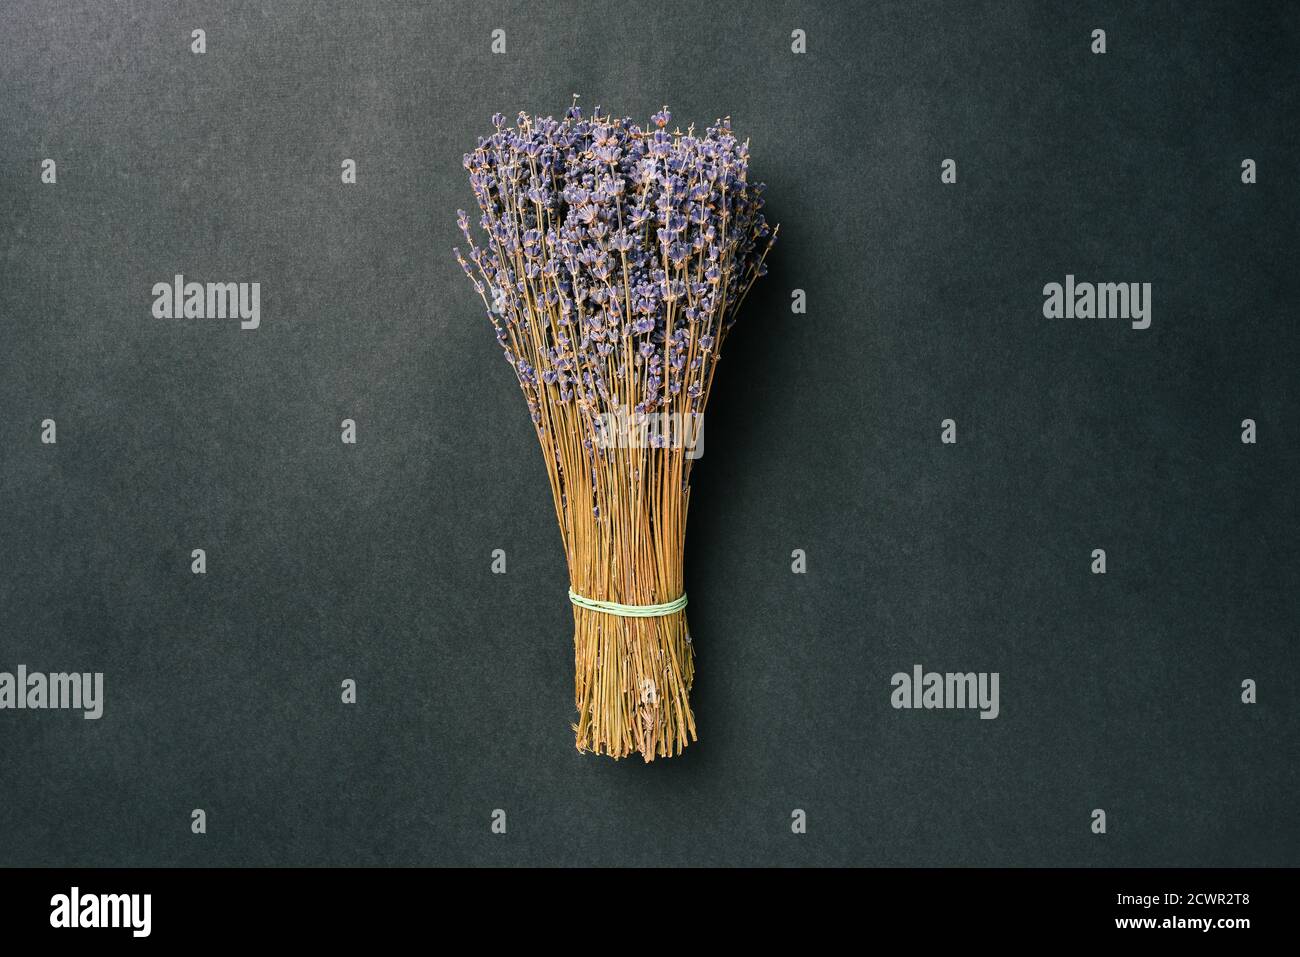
[(611, 262)]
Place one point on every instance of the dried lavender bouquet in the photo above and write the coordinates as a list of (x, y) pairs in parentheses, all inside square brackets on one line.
[(612, 262)]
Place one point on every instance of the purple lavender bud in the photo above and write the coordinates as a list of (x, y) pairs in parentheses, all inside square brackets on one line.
[(610, 229)]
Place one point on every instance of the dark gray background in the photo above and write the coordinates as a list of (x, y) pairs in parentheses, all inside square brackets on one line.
[(924, 302)]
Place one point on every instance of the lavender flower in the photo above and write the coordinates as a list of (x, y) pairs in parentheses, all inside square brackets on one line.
[(640, 242)]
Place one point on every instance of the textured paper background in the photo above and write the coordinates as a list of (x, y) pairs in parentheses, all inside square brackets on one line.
[(924, 302)]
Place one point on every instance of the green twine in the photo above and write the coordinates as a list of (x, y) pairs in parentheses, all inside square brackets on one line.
[(628, 611)]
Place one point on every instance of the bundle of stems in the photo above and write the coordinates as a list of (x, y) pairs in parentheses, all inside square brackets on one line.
[(612, 262)]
